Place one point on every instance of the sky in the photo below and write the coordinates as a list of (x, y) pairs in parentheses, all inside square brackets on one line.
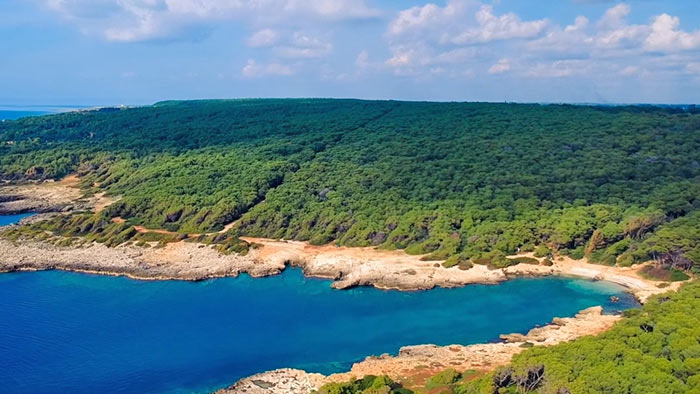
[(110, 52)]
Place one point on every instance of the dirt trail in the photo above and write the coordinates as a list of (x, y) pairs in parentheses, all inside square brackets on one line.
[(144, 230)]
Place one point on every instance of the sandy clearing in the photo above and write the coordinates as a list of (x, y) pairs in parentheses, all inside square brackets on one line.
[(51, 196)]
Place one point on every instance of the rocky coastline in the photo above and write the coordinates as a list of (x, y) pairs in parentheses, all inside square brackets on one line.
[(431, 359), (345, 267)]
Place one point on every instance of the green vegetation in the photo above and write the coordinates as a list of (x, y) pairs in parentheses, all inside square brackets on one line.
[(542, 251), (445, 378), (367, 385), (525, 260), (473, 180), (79, 228), (663, 273)]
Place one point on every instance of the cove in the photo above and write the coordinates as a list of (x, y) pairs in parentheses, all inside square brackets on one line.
[(69, 332), (12, 219)]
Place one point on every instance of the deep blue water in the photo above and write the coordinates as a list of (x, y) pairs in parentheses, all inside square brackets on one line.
[(12, 219), (66, 332), (16, 114)]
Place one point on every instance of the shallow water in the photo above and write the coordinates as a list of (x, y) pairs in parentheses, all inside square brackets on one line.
[(12, 219), (68, 332)]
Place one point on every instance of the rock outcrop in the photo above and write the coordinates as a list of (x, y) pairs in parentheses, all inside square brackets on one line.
[(281, 381)]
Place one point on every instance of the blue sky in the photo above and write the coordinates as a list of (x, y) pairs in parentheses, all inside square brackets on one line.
[(103, 52)]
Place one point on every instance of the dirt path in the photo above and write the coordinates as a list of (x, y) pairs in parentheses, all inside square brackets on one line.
[(144, 230)]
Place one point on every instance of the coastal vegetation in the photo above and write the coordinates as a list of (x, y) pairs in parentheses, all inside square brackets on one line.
[(464, 182), (368, 385)]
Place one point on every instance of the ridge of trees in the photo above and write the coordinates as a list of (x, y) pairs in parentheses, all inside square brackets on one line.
[(467, 181)]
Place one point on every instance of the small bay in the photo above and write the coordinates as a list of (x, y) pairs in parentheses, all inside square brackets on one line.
[(69, 332)]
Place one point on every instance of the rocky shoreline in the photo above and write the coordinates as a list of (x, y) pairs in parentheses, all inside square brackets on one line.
[(431, 359), (346, 267), (181, 261)]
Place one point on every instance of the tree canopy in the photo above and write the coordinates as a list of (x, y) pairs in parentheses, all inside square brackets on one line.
[(472, 180)]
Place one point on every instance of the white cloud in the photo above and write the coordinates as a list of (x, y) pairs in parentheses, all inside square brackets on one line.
[(141, 20), (581, 23), (362, 59), (428, 16), (630, 70), (305, 46), (501, 67), (263, 38), (613, 37), (426, 38), (462, 22), (442, 39), (404, 57), (615, 17), (614, 32), (504, 27), (410, 59), (559, 69), (252, 69), (665, 37)]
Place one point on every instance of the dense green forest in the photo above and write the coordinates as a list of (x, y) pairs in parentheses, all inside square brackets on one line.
[(465, 181)]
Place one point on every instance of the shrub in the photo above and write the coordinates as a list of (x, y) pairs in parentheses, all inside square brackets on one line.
[(662, 273), (542, 251), (524, 260), (462, 261), (577, 253), (370, 384), (444, 378)]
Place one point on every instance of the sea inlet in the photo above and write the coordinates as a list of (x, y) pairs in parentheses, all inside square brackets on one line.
[(69, 332)]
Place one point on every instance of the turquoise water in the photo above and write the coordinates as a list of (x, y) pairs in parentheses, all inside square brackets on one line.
[(12, 219), (65, 332)]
